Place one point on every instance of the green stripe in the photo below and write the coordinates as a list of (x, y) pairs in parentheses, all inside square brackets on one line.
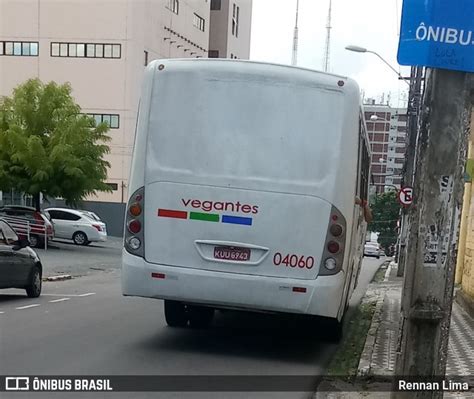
[(208, 217)]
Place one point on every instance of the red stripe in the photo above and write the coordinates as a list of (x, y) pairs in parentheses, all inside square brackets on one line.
[(169, 213), (158, 275)]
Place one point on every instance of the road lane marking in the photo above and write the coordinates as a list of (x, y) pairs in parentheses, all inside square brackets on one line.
[(28, 306), (69, 295), (2, 312), (60, 300)]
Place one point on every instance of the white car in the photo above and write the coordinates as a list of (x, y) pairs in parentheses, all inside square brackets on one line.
[(76, 225), (372, 249)]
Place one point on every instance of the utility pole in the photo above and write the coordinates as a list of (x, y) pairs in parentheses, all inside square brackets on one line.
[(413, 112), (431, 256)]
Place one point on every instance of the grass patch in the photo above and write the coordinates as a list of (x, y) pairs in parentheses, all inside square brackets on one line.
[(380, 275), (346, 360)]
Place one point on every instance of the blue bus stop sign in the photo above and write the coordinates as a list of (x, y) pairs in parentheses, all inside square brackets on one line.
[(437, 34)]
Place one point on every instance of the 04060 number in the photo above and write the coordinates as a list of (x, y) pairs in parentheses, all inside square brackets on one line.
[(291, 260)]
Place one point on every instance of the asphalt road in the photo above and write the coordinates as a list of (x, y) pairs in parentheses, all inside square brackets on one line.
[(64, 257), (84, 326)]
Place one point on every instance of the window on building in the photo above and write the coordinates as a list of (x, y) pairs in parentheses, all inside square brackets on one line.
[(173, 5), (99, 50), (146, 57), (81, 50), (400, 139), (402, 118), (215, 5), (113, 186), (235, 20), (113, 120), (88, 50), (25, 49), (213, 53), (199, 22)]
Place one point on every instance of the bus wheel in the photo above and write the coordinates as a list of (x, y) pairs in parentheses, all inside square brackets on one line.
[(176, 314), (333, 330), (200, 316)]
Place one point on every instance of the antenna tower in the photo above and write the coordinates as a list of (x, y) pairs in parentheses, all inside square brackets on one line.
[(294, 58), (327, 49)]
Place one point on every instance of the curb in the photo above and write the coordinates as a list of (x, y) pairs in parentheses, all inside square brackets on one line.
[(366, 355), (341, 389), (61, 277), (369, 346)]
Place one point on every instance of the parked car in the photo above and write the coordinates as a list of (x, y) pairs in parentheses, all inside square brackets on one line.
[(22, 218), (77, 225), (20, 266), (92, 215), (372, 249)]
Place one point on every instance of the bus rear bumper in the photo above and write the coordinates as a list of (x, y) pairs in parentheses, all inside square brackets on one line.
[(241, 291)]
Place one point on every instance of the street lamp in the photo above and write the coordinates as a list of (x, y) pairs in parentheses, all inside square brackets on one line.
[(358, 49)]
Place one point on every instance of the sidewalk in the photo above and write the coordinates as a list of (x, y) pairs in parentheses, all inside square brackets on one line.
[(380, 359), (461, 340), (377, 360)]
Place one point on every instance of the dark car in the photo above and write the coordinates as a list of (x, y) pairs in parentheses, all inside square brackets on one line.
[(20, 266), (21, 218)]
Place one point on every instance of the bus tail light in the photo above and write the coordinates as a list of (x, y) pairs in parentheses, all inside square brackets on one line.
[(333, 253), (333, 247), (133, 236)]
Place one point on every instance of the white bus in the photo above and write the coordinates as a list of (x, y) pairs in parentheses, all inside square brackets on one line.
[(243, 190)]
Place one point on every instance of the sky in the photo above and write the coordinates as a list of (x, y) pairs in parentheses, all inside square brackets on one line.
[(373, 24)]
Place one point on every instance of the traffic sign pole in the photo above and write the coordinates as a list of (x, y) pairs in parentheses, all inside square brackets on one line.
[(430, 259)]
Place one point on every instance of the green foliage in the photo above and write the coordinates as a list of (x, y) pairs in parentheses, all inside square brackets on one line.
[(385, 210), (47, 146)]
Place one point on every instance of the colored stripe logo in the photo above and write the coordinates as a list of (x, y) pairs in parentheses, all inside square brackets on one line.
[(237, 220), (168, 213), (205, 217), (208, 217)]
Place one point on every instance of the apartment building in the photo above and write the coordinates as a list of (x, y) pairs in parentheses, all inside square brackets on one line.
[(229, 37), (101, 48), (387, 129)]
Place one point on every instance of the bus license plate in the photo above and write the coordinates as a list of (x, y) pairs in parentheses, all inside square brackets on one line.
[(232, 253)]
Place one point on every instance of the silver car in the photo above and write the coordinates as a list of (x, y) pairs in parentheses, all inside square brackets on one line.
[(77, 225), (372, 249)]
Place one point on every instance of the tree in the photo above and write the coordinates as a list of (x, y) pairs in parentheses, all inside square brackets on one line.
[(47, 146), (385, 210)]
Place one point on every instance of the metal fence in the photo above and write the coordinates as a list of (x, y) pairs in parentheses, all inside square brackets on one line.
[(25, 227)]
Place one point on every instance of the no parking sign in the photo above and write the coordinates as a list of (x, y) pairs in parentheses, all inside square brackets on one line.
[(405, 196)]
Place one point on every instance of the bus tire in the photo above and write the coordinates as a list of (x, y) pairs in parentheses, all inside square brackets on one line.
[(334, 330), (200, 316), (175, 314)]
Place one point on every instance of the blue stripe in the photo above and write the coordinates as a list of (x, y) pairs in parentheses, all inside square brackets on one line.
[(236, 220)]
